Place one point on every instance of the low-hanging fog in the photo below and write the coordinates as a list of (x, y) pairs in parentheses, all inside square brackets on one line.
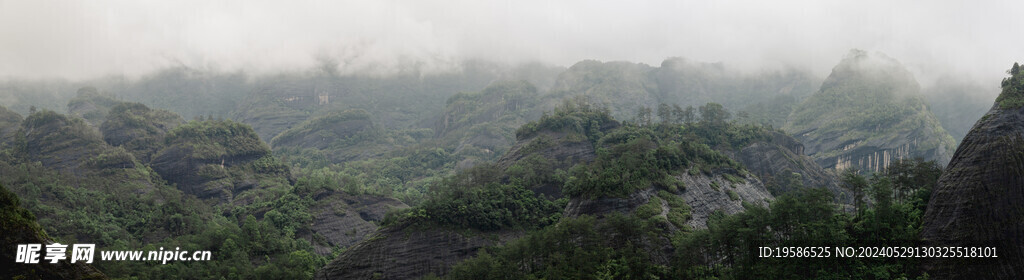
[(85, 39)]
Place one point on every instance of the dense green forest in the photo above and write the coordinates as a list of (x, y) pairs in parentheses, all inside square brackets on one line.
[(603, 170)]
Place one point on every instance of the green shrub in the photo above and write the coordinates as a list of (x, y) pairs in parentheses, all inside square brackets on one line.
[(649, 209), (732, 195)]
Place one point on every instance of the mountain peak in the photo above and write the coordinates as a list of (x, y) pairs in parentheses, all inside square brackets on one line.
[(883, 73)]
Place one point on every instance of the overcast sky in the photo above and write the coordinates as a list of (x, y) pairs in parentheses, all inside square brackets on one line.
[(84, 39)]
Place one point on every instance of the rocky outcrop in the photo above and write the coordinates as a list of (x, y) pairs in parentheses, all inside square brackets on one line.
[(708, 194), (780, 162), (91, 105), (217, 159), (19, 227), (10, 122), (559, 149), (704, 195), (138, 128), (60, 142), (978, 200), (342, 220), (404, 252), (868, 113)]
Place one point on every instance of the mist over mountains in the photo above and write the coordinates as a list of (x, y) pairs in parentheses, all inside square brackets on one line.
[(511, 140)]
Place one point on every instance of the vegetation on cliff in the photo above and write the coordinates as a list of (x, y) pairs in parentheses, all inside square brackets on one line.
[(1012, 96)]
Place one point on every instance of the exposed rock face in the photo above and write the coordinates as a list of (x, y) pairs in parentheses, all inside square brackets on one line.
[(138, 129), (704, 194), (10, 121), (60, 142), (781, 162), (978, 199), (868, 113), (400, 252), (91, 105), (217, 159), (343, 220), (19, 227), (560, 149), (705, 198)]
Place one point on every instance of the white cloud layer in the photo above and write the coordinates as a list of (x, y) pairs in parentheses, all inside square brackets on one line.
[(84, 39)]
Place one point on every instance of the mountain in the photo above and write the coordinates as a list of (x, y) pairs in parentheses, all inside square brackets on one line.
[(137, 128), (958, 103), (626, 87), (409, 99), (91, 105), (779, 161), (977, 201), (573, 164), (19, 227), (10, 121), (218, 159), (868, 113)]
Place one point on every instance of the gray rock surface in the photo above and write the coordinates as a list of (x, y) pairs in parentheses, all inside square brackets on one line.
[(343, 219), (978, 201), (781, 159), (704, 194), (705, 198), (408, 253), (10, 122)]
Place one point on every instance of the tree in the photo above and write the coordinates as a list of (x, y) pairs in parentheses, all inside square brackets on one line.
[(714, 114), (857, 184), (678, 114), (664, 112), (689, 116), (881, 193), (643, 116), (899, 173), (910, 176)]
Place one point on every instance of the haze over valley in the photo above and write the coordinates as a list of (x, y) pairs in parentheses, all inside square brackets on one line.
[(500, 139)]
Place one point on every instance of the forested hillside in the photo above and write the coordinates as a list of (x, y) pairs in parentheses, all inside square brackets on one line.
[(492, 171), (868, 113)]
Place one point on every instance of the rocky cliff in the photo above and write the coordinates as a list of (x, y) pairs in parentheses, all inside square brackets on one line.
[(412, 250), (138, 128), (703, 195), (342, 220), (218, 159), (401, 252), (868, 113), (781, 164), (63, 143), (978, 198), (10, 121), (544, 153), (91, 105)]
